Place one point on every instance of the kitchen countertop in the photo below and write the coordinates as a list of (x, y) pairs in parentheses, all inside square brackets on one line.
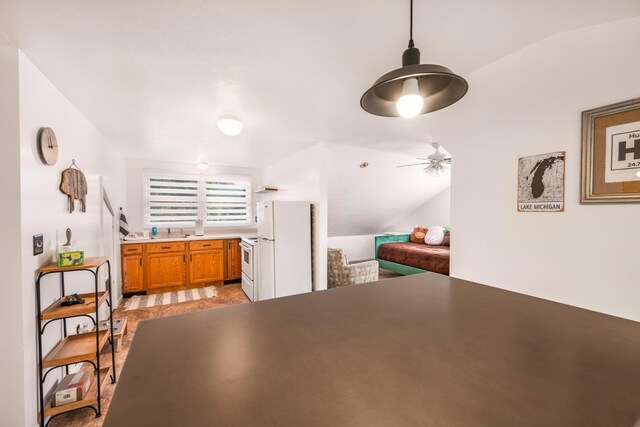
[(418, 350), (192, 237)]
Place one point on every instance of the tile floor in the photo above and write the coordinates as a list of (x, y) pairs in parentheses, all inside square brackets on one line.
[(227, 295)]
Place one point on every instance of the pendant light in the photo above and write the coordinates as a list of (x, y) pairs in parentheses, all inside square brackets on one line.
[(415, 88)]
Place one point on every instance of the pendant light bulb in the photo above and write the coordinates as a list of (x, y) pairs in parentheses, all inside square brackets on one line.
[(410, 103)]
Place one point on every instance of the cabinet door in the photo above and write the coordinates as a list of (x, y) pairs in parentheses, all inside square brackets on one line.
[(132, 278), (166, 269), (234, 261), (206, 266)]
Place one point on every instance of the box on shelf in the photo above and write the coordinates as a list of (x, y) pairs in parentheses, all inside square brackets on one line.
[(70, 259), (72, 388)]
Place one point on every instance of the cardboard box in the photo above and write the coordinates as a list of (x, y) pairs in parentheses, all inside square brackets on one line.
[(72, 388)]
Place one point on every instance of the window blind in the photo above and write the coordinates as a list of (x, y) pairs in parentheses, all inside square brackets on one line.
[(172, 200), (227, 201)]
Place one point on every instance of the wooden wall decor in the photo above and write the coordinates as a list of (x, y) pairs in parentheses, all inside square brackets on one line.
[(47, 146), (74, 185)]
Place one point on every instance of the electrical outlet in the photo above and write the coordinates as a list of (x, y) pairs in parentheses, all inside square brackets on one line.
[(38, 244)]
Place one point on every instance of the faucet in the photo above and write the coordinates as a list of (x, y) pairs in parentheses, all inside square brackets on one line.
[(169, 231), (182, 232)]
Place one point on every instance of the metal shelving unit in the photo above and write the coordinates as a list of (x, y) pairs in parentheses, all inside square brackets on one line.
[(79, 348)]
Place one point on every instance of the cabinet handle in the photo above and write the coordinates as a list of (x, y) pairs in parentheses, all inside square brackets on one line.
[(140, 262), (191, 257), (205, 246), (184, 258), (166, 247)]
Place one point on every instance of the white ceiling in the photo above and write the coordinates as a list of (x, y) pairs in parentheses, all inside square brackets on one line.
[(154, 76)]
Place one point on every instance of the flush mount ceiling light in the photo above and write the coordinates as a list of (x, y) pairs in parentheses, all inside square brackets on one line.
[(203, 161), (230, 126), (415, 88)]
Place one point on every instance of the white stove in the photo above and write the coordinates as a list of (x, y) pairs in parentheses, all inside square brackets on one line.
[(249, 248)]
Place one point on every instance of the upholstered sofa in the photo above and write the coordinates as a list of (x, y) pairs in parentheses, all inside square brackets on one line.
[(397, 253), (341, 273)]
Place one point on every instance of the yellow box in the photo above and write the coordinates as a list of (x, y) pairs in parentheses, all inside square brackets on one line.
[(70, 259)]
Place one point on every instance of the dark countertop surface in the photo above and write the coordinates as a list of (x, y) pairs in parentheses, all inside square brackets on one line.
[(422, 350)]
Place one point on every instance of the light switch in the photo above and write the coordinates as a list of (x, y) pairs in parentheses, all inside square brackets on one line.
[(38, 244)]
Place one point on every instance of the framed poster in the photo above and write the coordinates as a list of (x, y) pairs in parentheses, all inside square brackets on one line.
[(541, 183), (611, 153)]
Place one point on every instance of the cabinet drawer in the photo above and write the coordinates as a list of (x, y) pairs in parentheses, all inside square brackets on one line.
[(132, 249), (206, 244), (154, 248)]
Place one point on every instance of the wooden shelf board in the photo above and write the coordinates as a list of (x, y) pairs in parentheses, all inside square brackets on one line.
[(92, 262), (58, 311), (90, 399), (261, 190), (74, 349)]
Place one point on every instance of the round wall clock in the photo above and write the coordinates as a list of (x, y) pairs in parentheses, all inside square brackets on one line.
[(48, 146)]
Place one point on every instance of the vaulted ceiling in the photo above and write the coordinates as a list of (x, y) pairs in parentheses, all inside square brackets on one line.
[(154, 76)]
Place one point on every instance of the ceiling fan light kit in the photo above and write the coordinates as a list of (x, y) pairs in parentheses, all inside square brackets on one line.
[(436, 164), (396, 93)]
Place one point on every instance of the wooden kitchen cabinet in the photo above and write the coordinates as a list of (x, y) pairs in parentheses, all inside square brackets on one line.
[(234, 263), (206, 266), (132, 273), (156, 265), (166, 269)]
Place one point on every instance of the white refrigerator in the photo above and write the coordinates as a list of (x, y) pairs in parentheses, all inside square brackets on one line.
[(284, 233)]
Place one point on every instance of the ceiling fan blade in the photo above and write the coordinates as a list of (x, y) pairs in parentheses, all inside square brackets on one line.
[(421, 158), (448, 161), (414, 164)]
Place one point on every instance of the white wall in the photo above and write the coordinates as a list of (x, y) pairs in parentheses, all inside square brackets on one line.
[(303, 177), (43, 206), (364, 201), (436, 211), (356, 248), (530, 103), (135, 171), (12, 386)]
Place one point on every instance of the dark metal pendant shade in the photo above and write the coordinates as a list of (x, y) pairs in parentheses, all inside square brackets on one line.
[(439, 87)]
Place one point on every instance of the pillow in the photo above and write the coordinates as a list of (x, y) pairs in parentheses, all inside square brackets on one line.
[(447, 238), (434, 236), (417, 236)]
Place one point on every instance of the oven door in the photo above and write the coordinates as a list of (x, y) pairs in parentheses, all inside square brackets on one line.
[(247, 260)]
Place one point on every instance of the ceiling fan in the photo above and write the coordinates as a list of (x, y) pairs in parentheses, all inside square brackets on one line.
[(437, 164)]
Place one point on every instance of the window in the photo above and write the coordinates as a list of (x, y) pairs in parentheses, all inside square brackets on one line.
[(176, 200)]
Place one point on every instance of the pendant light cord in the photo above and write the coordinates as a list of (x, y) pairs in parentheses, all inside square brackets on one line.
[(411, 24)]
